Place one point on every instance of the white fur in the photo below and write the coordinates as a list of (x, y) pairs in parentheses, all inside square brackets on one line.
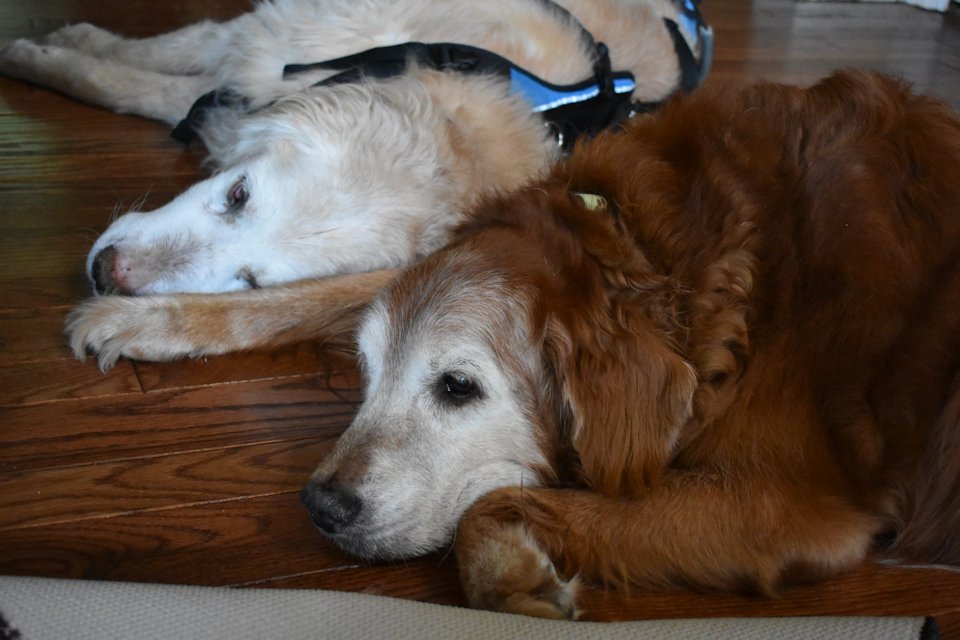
[(341, 179)]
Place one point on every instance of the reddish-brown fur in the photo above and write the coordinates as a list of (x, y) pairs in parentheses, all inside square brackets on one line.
[(754, 346)]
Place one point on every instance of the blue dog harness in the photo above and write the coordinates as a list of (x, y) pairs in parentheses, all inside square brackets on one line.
[(583, 108)]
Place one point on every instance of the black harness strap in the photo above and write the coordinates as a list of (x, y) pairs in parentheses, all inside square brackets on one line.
[(391, 61), (570, 110), (692, 72), (586, 107)]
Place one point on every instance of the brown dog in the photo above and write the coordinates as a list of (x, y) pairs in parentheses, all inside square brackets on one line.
[(719, 349)]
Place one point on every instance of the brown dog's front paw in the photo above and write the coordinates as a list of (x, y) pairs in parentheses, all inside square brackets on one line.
[(556, 604), (506, 571)]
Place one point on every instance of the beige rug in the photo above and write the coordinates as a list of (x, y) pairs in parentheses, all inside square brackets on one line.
[(49, 609)]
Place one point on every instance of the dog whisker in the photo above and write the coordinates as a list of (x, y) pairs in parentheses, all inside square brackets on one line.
[(116, 212), (138, 204)]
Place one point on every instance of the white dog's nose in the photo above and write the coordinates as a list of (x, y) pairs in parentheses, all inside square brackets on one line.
[(103, 270), (114, 272)]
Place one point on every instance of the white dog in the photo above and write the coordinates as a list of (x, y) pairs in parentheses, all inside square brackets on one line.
[(320, 180)]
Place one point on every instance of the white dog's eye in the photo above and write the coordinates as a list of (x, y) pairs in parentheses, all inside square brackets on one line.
[(237, 195), (457, 388), (249, 278)]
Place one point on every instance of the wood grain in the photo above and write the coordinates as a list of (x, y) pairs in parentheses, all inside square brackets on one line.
[(93, 431), (71, 494), (188, 472)]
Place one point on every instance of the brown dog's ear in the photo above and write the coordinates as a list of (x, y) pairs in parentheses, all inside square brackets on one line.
[(628, 395)]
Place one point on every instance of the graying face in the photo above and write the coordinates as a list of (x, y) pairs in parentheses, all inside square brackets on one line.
[(448, 417)]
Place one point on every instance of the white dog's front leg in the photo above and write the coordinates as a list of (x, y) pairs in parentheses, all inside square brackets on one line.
[(104, 83)]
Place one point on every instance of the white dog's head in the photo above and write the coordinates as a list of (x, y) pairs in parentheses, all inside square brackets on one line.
[(338, 179)]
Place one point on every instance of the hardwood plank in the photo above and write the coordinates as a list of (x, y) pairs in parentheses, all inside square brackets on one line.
[(219, 543), (80, 168), (43, 134), (82, 210), (97, 430), (264, 541), (255, 365), (71, 494), (28, 18), (28, 255), (871, 590), (433, 578), (34, 335), (949, 624), (29, 293), (27, 383), (801, 42), (37, 121)]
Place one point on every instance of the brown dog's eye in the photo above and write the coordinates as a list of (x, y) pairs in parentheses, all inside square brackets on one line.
[(237, 195), (458, 388)]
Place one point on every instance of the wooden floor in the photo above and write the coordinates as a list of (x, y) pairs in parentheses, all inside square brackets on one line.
[(189, 472)]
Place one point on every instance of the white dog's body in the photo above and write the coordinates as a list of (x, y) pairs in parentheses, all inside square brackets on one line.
[(349, 178)]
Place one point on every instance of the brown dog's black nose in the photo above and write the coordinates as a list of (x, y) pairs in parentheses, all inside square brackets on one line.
[(102, 270), (332, 507)]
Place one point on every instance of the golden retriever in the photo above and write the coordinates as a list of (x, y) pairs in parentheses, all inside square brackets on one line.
[(719, 348)]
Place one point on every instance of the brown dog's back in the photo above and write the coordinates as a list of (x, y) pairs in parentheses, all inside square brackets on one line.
[(838, 207)]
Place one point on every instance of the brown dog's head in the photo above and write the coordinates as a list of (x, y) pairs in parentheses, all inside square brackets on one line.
[(538, 347)]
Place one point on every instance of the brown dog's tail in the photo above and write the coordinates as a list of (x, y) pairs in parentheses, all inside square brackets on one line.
[(169, 327)]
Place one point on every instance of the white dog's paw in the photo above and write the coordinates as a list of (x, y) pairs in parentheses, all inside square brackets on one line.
[(118, 326), (23, 59), (83, 37)]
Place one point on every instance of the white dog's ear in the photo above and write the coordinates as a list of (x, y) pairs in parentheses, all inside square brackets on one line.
[(627, 392)]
